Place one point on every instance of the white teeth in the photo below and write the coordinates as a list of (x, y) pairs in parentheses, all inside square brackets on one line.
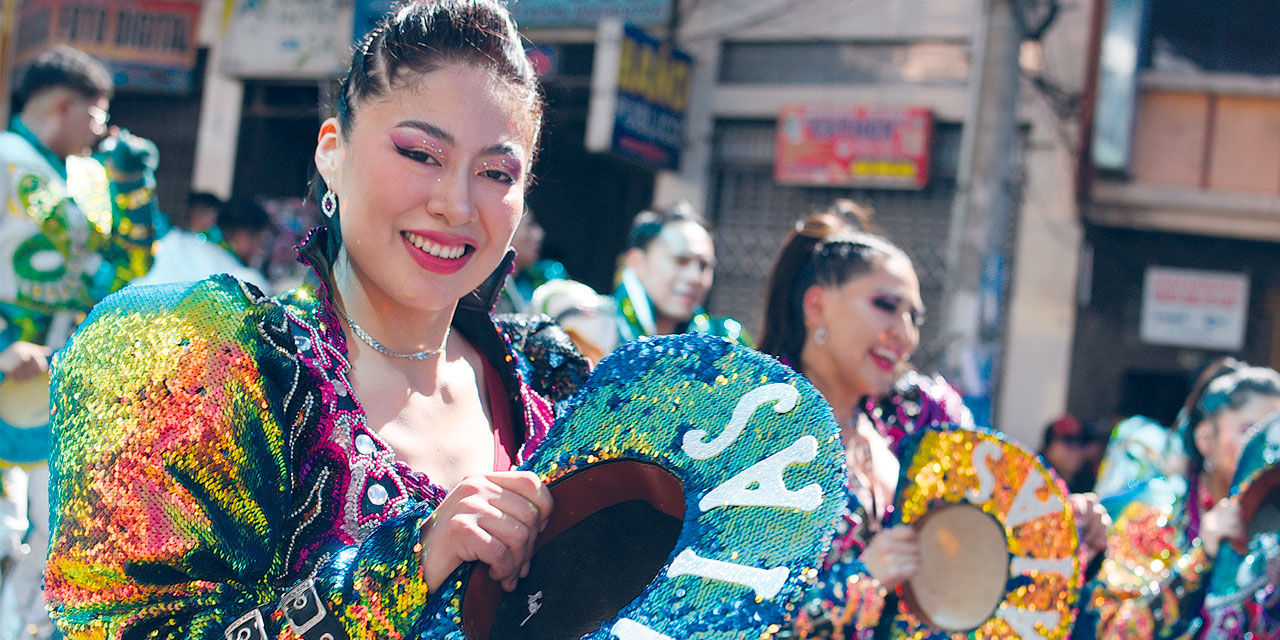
[(437, 250)]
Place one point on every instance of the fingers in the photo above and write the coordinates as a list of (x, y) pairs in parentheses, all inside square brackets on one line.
[(528, 486), (22, 360), (893, 556), (903, 534), (1221, 522), (491, 518)]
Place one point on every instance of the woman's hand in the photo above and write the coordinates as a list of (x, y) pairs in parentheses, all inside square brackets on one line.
[(1092, 520), (22, 360), (1222, 522), (893, 556), (492, 518)]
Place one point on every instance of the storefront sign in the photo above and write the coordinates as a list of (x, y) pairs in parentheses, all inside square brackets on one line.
[(149, 45), (295, 39), (1191, 308), (581, 13), (639, 93), (855, 146)]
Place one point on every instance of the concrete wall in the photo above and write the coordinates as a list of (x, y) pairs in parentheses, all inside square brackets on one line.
[(218, 130), (711, 23), (1042, 307)]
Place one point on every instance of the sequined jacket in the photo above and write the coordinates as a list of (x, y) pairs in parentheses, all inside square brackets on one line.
[(213, 474), (68, 237), (1154, 580)]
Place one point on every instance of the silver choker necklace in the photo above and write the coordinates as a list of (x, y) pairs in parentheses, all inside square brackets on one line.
[(377, 346)]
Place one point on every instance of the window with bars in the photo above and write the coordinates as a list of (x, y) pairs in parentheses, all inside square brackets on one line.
[(753, 214)]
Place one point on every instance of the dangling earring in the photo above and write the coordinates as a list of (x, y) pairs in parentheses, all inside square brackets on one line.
[(820, 335), (328, 203)]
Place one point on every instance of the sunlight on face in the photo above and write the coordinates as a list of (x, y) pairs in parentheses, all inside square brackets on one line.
[(430, 182), (872, 324), (677, 268)]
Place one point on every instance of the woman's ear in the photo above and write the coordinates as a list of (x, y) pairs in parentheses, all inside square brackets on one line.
[(1205, 437), (329, 151), (813, 304), (633, 259)]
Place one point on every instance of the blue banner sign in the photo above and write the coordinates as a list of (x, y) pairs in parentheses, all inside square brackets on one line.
[(640, 110)]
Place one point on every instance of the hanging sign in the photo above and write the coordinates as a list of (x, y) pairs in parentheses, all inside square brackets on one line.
[(583, 13), (1193, 308), (148, 45), (639, 94), (853, 146), (304, 39)]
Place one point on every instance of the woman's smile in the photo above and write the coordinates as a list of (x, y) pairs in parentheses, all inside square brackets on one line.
[(438, 252)]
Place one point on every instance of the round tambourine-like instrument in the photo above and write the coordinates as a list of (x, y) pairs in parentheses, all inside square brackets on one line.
[(24, 420), (998, 540), (696, 485)]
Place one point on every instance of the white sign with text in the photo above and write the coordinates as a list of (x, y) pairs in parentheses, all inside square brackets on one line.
[(1194, 308)]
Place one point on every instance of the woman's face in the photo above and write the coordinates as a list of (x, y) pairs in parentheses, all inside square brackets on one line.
[(1223, 434), (1066, 456), (430, 183), (676, 269), (872, 325)]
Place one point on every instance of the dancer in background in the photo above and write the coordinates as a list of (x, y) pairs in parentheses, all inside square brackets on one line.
[(73, 229), (530, 270), (844, 308), (666, 274), (1169, 529)]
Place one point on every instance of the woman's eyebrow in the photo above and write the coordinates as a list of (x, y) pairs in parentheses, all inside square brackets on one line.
[(429, 129), (502, 148)]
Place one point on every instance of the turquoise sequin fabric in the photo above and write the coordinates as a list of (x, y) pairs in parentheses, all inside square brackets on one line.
[(761, 464)]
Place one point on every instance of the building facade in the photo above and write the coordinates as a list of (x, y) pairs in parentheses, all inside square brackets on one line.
[(1183, 207), (247, 124)]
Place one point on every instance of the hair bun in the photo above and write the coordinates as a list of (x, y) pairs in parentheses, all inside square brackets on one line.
[(820, 226)]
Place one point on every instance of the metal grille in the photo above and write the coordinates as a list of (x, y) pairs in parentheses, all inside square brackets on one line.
[(753, 214)]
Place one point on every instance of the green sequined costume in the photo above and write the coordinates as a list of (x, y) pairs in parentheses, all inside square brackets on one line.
[(68, 237)]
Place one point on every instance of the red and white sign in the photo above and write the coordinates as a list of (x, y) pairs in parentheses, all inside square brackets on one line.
[(1192, 308), (856, 146)]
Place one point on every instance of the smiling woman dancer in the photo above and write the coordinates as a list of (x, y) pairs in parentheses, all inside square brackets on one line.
[(844, 308), (316, 464)]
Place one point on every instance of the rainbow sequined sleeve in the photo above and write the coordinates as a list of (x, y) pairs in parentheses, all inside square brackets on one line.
[(171, 484)]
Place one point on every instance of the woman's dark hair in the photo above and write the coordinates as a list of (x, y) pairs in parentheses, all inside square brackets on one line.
[(418, 37), (648, 225), (826, 249), (63, 66), (1229, 391), (1190, 413)]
